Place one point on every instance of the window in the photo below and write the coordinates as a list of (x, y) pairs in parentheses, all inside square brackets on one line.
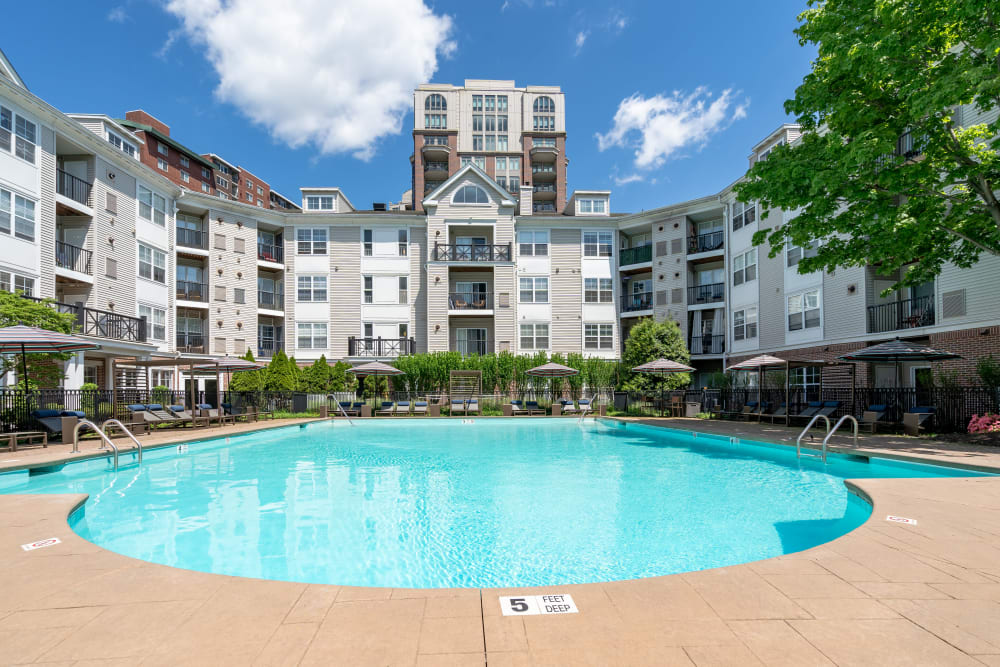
[(260, 202), (319, 202), (597, 290), (598, 336), (24, 147), (477, 102), (533, 244), (597, 244), (544, 142), (311, 288), (403, 293), (119, 143), (534, 336), (404, 329), (477, 142), (803, 311), (152, 264), (435, 121), (795, 254), (368, 291), (185, 177), (534, 290), (15, 283), (436, 140), (477, 123), (205, 187), (544, 104), (185, 161), (470, 194), (745, 323), (6, 127), (23, 211), (545, 123), (502, 103), (206, 174), (239, 295), (501, 164), (156, 321), (590, 205), (743, 214), (745, 267), (491, 142), (249, 184), (311, 335), (250, 197), (162, 149), (404, 241), (220, 241), (162, 164), (435, 102), (807, 377), (311, 241), (152, 206), (368, 244)]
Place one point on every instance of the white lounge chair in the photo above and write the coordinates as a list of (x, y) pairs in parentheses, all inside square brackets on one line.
[(402, 408), (457, 406), (420, 407), (472, 408)]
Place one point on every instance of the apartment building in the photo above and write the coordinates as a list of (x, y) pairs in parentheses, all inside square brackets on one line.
[(156, 149), (516, 135)]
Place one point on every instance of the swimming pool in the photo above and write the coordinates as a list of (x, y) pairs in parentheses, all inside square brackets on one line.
[(427, 503)]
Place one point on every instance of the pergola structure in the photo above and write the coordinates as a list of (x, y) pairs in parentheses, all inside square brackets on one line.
[(763, 362), (192, 366)]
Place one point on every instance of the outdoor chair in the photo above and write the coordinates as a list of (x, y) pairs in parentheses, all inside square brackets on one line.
[(140, 417), (829, 407), (747, 409), (871, 417), (517, 408), (457, 406), (781, 412), (239, 412), (676, 406), (402, 408), (810, 411), (533, 408), (420, 408), (584, 406), (164, 416), (916, 417), (568, 407), (214, 414), (51, 420), (181, 413), (348, 408), (388, 407), (472, 408), (759, 411)]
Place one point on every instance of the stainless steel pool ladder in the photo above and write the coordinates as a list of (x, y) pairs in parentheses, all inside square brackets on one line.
[(104, 437), (345, 413), (798, 440), (128, 433), (834, 430)]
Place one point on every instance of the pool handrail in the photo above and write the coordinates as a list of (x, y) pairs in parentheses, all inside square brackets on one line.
[(798, 440)]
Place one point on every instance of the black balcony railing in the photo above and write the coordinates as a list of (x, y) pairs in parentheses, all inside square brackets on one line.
[(359, 346), (469, 347), (102, 323), (436, 166), (706, 293), (543, 208), (267, 347), (192, 238), (190, 291), (905, 314), (465, 252), (637, 255), (271, 300), (708, 344), (470, 301), (191, 343), (270, 252), (637, 301), (706, 242), (73, 258), (545, 188), (543, 169), (72, 187)]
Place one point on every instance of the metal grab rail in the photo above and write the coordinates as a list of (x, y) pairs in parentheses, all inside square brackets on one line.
[(121, 426), (798, 440), (346, 416), (834, 430), (91, 425)]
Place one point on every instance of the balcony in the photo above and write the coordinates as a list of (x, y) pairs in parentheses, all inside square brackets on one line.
[(271, 300), (547, 191), (431, 186), (358, 346), (270, 252), (431, 150), (898, 315), (74, 188), (543, 172), (637, 301), (708, 344), (436, 168), (102, 323), (544, 153), (192, 238), (464, 252), (469, 347), (73, 258), (189, 291), (637, 255), (706, 242), (267, 347), (471, 301), (191, 343), (543, 207), (699, 294)]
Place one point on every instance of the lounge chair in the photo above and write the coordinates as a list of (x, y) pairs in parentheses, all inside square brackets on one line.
[(517, 408), (402, 408), (747, 410), (215, 415), (420, 407), (533, 408), (238, 412), (181, 413), (346, 407), (457, 406), (916, 417), (757, 412), (51, 420), (388, 407), (810, 411), (584, 406), (781, 412), (829, 407), (568, 408), (140, 417), (472, 408), (871, 417), (164, 416)]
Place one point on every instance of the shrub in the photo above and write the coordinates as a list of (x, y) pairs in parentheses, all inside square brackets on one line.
[(988, 423)]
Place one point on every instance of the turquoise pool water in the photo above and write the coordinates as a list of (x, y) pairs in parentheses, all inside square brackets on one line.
[(440, 503)]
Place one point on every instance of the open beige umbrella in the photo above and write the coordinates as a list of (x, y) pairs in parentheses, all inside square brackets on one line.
[(377, 369), (551, 370), (662, 367), (227, 365), (759, 363), (25, 339)]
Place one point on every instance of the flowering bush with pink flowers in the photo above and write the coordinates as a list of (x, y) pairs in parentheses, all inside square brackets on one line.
[(985, 424)]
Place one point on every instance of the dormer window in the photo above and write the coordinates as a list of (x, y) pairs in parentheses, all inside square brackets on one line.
[(319, 203)]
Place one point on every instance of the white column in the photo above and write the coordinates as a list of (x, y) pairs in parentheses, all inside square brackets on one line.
[(73, 370), (109, 374)]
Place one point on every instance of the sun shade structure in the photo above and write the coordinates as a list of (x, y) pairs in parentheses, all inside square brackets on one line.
[(551, 370), (227, 365), (757, 363), (899, 350), (376, 368), (32, 340), (662, 367)]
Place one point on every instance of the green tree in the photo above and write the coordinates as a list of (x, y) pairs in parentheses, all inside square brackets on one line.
[(247, 380), (650, 340), (575, 382), (281, 374), (883, 174), (316, 378), (44, 370)]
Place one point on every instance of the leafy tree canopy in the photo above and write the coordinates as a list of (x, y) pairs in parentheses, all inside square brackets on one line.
[(886, 172), (650, 340)]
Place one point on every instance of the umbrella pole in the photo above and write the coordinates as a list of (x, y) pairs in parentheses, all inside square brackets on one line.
[(24, 367)]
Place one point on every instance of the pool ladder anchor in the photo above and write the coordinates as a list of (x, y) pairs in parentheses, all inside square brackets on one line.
[(105, 439)]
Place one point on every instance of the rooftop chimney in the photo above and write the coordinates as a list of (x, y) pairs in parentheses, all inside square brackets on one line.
[(526, 192)]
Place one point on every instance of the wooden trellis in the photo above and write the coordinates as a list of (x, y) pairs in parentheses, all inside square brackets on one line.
[(465, 384)]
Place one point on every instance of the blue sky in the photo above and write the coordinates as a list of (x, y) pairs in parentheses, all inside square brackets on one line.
[(317, 92)]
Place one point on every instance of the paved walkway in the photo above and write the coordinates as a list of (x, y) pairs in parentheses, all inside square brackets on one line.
[(885, 594)]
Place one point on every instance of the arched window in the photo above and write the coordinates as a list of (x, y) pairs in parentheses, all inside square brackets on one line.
[(470, 194), (435, 102), (544, 105)]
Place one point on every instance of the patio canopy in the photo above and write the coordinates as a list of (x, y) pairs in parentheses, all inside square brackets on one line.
[(376, 368), (758, 363), (32, 340), (663, 366), (229, 365), (899, 350), (551, 370)]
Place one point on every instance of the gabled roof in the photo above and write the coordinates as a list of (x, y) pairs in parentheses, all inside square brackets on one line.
[(7, 70), (505, 198), (159, 136)]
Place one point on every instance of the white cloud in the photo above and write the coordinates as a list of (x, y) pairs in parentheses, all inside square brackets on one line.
[(334, 74), (117, 15), (505, 5), (581, 38), (617, 21), (660, 126), (629, 178)]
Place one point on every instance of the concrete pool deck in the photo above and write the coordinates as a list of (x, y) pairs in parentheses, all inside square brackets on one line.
[(886, 594)]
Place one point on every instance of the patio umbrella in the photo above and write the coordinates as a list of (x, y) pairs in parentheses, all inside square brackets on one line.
[(759, 363), (376, 369), (228, 365), (551, 370), (25, 339), (662, 367), (897, 351)]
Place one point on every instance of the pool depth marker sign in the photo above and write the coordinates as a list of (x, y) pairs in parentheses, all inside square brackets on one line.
[(901, 519), (533, 605), (41, 543)]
